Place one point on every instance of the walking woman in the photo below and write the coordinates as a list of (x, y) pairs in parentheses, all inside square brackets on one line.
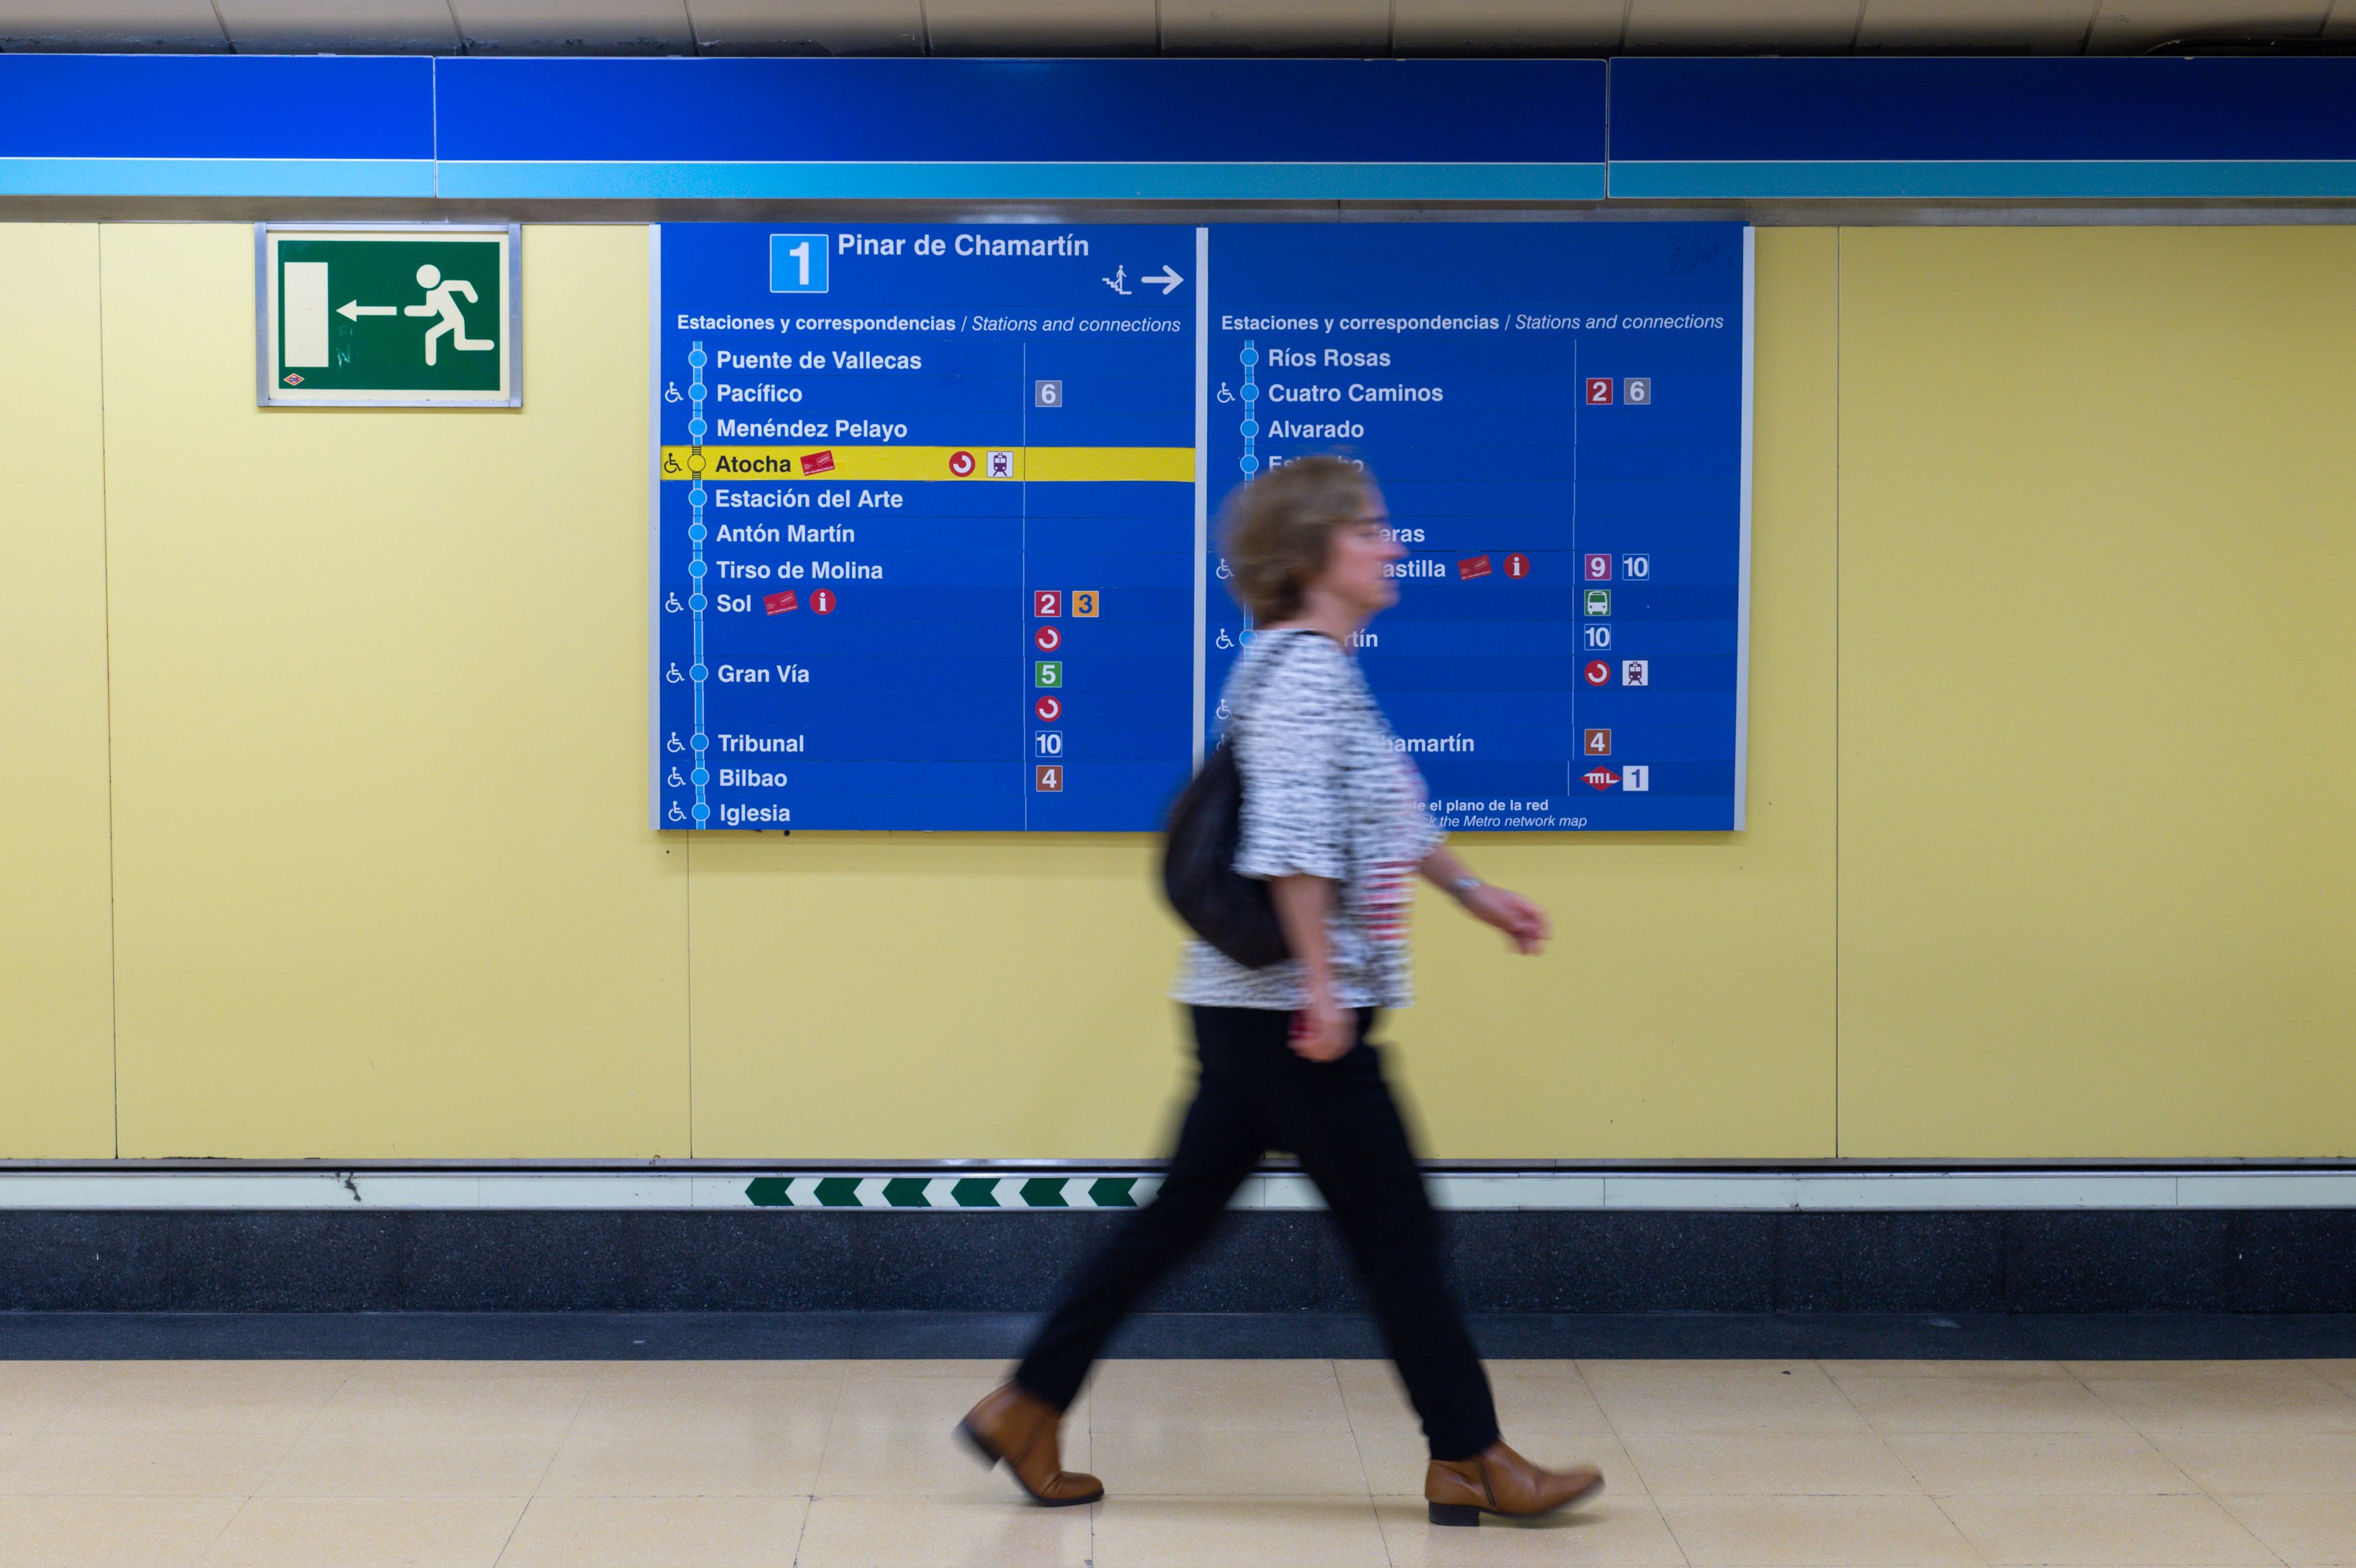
[(1334, 820)]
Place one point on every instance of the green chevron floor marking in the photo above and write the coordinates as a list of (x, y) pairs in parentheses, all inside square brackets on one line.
[(976, 1192), (1113, 1191), (905, 1191), (1043, 1192), (838, 1192), (769, 1191)]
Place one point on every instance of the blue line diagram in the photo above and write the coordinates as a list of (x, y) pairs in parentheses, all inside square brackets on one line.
[(701, 775), (1250, 427)]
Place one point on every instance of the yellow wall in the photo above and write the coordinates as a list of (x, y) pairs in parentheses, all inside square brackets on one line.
[(2098, 864), (57, 1009), (324, 799)]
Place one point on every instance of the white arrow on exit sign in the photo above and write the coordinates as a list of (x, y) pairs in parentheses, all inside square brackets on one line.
[(352, 310)]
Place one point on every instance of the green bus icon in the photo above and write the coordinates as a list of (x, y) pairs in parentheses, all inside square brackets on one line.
[(1599, 600)]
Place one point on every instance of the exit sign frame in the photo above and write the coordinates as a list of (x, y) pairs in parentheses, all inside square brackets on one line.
[(333, 345)]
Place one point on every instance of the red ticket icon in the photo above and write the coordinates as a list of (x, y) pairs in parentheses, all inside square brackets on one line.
[(778, 604), (1517, 566), (1048, 638), (823, 600), (1473, 566), (819, 463), (961, 463), (1049, 709), (1597, 673)]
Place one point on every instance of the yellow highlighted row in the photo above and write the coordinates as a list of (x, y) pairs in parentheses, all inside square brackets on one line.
[(1039, 464)]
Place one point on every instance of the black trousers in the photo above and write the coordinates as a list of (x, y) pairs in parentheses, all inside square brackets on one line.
[(1255, 1095)]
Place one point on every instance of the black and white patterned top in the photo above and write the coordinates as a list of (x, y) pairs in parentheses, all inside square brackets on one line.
[(1327, 792)]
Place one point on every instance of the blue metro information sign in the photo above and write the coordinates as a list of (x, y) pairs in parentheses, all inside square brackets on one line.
[(933, 507)]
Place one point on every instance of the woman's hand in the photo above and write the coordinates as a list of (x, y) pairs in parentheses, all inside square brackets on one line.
[(1524, 923), (1324, 1030)]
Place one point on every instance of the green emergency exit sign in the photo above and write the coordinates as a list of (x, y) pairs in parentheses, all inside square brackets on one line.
[(386, 316)]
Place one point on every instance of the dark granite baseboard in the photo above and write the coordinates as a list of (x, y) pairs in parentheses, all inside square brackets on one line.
[(1504, 1262), (1226, 1336)]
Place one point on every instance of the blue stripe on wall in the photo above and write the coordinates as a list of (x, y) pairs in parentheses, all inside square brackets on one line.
[(1025, 182), (1015, 112), (2022, 181), (2009, 129), (300, 108), (216, 176), (1982, 110)]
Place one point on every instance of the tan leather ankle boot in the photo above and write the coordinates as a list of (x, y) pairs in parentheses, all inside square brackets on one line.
[(1023, 1431), (1498, 1480)]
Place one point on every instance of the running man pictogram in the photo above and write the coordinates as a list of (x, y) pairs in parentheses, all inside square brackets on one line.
[(438, 302)]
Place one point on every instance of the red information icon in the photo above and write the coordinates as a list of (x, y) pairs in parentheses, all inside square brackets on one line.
[(821, 600), (961, 463), (1597, 567), (778, 604), (1048, 638), (1047, 603), (1049, 709), (1597, 673), (1599, 390), (1517, 566)]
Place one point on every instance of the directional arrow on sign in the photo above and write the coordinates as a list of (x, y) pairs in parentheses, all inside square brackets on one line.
[(1167, 277), (352, 310)]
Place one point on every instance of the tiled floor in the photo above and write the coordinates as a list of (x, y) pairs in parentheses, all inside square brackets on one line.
[(1210, 1465)]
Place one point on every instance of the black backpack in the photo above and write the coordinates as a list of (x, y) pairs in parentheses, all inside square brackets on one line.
[(1232, 912)]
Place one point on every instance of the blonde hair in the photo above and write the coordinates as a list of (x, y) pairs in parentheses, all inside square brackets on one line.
[(1278, 530)]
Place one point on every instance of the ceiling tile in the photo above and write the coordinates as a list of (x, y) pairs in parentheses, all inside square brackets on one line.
[(1752, 25), (1269, 26), (101, 24), (1040, 27), (2131, 26), (574, 27), (339, 26), (2047, 26), (1533, 26), (809, 26)]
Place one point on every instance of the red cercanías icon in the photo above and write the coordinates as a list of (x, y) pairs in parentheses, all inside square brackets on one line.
[(1597, 673), (1048, 638), (823, 600), (1517, 566), (961, 463), (1049, 709)]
